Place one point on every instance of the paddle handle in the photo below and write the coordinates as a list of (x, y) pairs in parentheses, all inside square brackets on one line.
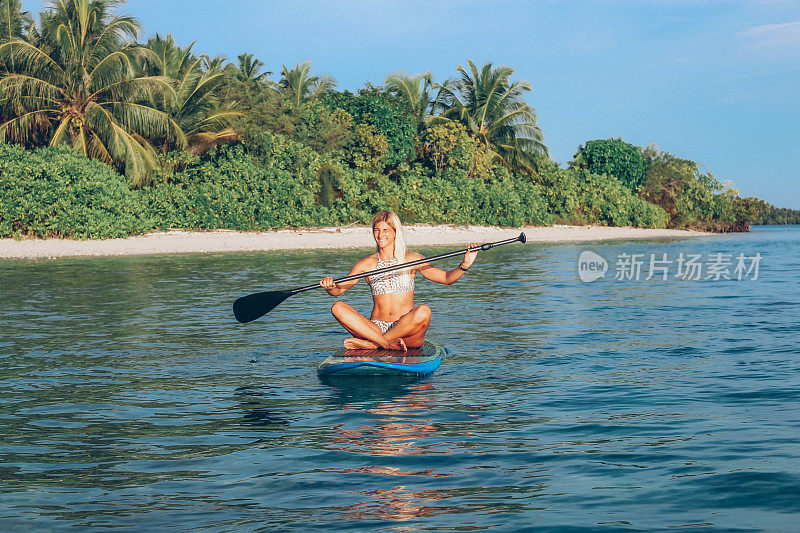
[(482, 247)]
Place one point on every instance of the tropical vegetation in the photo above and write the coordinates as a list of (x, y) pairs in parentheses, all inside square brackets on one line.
[(102, 135), (492, 108), (771, 215), (76, 80), (613, 157)]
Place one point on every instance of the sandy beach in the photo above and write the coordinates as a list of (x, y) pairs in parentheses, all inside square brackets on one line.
[(176, 242)]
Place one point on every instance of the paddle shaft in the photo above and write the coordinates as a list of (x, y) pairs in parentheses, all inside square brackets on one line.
[(482, 247)]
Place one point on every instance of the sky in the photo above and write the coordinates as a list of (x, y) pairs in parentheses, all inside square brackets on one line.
[(715, 81)]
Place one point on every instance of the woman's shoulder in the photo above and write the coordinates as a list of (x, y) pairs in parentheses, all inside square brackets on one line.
[(368, 263), (413, 256)]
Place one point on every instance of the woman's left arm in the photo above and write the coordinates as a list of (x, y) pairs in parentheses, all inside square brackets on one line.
[(448, 277)]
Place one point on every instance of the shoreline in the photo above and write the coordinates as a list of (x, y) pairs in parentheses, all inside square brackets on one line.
[(180, 242)]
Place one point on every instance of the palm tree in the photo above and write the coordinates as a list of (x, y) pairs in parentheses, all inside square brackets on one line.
[(249, 67), (14, 23), (194, 106), (492, 109), (77, 85), (214, 63), (415, 91), (300, 86)]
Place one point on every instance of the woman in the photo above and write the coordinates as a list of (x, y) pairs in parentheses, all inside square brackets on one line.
[(395, 323)]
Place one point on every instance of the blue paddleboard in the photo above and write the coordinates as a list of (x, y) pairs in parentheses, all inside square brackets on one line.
[(414, 362)]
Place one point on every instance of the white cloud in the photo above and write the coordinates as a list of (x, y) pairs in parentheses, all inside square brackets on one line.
[(782, 35)]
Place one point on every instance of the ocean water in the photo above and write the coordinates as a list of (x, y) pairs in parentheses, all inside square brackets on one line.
[(130, 398)]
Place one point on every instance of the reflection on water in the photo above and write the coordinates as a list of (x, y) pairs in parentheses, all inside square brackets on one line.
[(349, 390), (388, 433), (397, 503), (130, 398), (257, 410)]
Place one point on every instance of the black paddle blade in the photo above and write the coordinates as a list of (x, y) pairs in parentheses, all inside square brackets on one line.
[(522, 238), (253, 306)]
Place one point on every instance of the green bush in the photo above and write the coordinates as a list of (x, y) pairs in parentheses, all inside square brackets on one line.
[(387, 114), (450, 146), (454, 197), (57, 192), (228, 189), (613, 157), (285, 179), (366, 150), (691, 198), (269, 181), (583, 197)]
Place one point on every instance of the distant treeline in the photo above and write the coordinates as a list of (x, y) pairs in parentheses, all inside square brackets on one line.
[(115, 137), (772, 215)]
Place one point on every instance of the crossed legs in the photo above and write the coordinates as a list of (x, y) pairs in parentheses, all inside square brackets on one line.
[(409, 331)]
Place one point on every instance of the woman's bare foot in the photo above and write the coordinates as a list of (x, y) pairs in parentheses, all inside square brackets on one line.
[(363, 344), (397, 344), (360, 344)]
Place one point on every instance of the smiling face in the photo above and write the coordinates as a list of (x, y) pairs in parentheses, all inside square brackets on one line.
[(384, 235)]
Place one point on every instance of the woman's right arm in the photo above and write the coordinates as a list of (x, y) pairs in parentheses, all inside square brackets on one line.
[(335, 289)]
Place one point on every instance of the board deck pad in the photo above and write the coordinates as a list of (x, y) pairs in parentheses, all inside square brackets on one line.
[(419, 361)]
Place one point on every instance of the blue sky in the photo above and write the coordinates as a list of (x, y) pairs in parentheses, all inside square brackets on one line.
[(714, 81)]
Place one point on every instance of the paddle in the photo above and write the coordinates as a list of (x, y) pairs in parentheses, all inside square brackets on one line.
[(248, 308)]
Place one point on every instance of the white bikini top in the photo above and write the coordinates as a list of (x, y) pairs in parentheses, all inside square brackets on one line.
[(390, 282)]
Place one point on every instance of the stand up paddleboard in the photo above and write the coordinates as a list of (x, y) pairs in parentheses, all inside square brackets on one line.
[(415, 362)]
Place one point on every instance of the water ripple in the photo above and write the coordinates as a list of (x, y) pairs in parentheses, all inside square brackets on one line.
[(129, 398)]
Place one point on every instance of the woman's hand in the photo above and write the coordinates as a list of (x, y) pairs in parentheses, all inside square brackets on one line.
[(470, 256), (328, 284)]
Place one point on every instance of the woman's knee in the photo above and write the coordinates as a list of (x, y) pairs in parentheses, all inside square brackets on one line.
[(422, 313), (338, 308)]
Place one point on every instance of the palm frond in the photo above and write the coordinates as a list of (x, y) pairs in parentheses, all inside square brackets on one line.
[(146, 121), (202, 142), (62, 132), (105, 69), (414, 91), (20, 128), (29, 58), (24, 92), (215, 121), (98, 150), (136, 157), (141, 88)]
